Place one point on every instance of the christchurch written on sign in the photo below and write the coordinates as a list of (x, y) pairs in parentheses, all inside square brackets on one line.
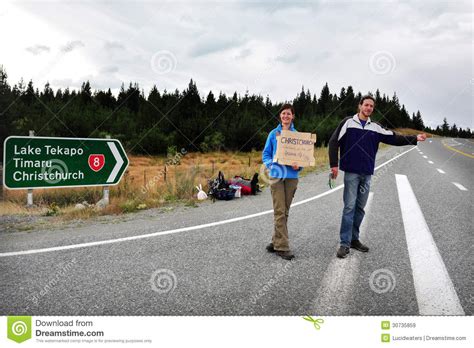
[(296, 141), (34, 162)]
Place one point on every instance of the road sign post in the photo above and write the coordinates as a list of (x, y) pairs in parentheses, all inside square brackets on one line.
[(29, 194), (47, 162), (105, 190)]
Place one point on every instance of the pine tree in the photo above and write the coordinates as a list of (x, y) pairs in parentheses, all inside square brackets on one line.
[(324, 102), (445, 128)]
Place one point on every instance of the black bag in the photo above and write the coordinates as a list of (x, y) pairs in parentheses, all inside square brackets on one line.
[(254, 184), (219, 189), (224, 194)]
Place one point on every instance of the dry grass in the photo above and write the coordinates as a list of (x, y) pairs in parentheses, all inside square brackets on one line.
[(146, 184), (14, 208)]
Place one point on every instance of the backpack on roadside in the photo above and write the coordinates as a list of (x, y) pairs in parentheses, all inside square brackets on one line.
[(219, 189)]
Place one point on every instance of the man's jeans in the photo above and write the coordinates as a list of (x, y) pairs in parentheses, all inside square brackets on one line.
[(356, 193)]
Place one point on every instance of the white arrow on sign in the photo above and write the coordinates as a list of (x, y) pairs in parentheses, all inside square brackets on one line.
[(119, 160)]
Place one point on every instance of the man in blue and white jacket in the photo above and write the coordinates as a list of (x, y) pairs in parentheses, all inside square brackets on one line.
[(358, 138)]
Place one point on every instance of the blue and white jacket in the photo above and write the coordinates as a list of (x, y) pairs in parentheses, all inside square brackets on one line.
[(277, 170), (359, 144)]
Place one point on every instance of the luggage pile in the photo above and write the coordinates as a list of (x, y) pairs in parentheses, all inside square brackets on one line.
[(222, 189)]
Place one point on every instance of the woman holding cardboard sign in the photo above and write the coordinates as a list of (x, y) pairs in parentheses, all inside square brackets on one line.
[(283, 183)]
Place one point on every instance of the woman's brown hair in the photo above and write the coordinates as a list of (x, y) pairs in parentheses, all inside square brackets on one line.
[(287, 106)]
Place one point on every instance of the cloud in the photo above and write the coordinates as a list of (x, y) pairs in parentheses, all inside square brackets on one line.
[(109, 69), (211, 45), (66, 82), (113, 45), (272, 6), (71, 45), (38, 49), (244, 53), (287, 58)]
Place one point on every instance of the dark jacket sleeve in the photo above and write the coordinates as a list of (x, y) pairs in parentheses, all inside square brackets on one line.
[(334, 145), (397, 139)]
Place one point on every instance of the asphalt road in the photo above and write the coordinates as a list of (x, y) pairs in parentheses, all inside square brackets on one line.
[(211, 260)]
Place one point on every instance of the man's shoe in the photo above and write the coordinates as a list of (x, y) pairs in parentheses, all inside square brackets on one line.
[(270, 248), (357, 245), (287, 255), (342, 252)]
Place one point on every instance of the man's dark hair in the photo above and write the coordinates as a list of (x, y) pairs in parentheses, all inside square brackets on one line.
[(367, 96), (287, 106)]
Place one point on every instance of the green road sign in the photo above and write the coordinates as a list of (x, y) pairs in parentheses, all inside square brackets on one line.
[(44, 162)]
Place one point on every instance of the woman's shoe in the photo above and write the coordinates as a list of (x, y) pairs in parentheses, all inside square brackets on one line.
[(287, 255), (270, 248)]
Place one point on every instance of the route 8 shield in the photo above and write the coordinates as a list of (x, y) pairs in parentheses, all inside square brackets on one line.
[(96, 162)]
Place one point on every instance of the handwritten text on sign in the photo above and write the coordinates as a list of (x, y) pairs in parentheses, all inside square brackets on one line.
[(295, 148)]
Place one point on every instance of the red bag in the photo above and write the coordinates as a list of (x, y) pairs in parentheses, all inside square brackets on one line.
[(245, 190)]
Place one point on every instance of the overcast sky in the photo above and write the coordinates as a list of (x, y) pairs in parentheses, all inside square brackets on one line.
[(422, 50)]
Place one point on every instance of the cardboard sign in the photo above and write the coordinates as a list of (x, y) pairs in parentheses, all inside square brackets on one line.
[(295, 147)]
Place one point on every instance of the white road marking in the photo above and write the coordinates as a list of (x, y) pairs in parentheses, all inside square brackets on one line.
[(421, 153), (459, 186), (455, 143), (183, 229), (425, 156), (430, 162), (441, 171), (393, 159), (339, 279), (434, 289)]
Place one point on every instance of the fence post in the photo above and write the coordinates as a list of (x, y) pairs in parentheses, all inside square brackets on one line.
[(29, 194)]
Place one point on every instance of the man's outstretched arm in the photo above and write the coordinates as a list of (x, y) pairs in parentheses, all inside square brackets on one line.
[(401, 140)]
